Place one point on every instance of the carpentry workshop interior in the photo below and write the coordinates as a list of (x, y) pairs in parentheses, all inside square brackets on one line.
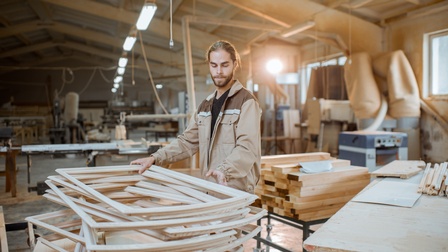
[(352, 139)]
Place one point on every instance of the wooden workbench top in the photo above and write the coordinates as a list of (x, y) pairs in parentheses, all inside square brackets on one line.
[(375, 227)]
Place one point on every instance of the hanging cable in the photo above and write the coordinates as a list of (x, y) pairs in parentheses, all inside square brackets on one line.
[(150, 75), (88, 82), (104, 77), (171, 24), (132, 68), (349, 58)]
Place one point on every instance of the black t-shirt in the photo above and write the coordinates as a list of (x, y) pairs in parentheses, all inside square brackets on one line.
[(216, 108)]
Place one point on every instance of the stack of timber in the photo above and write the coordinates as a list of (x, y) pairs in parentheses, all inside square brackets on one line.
[(434, 180), (285, 190), (114, 208)]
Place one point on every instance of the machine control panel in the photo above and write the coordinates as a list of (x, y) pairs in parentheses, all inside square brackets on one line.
[(388, 141)]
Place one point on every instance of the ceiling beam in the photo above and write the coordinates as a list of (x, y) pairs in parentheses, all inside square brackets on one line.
[(226, 13), (13, 30), (257, 13), (200, 39), (98, 9)]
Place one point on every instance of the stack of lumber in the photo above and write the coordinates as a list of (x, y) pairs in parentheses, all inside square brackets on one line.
[(116, 209), (285, 190), (434, 180)]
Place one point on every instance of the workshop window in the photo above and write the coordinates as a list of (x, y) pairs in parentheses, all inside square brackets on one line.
[(436, 62), (306, 72)]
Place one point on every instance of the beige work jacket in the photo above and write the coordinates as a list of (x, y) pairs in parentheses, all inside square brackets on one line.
[(235, 146)]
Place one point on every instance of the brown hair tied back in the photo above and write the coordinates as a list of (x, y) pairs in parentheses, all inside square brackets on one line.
[(228, 47)]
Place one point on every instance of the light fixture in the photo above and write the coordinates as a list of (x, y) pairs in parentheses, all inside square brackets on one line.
[(113, 90), (116, 85), (129, 43), (159, 86), (121, 70), (147, 13), (274, 66), (118, 79), (122, 62), (297, 28)]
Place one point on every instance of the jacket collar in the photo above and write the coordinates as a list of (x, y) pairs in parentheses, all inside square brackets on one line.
[(233, 90)]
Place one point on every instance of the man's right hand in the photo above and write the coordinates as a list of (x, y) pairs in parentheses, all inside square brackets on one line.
[(146, 163)]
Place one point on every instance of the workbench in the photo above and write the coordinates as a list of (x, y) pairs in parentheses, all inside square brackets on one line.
[(10, 172), (360, 226), (51, 149)]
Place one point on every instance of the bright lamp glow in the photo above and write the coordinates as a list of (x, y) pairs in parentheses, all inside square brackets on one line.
[(118, 79), (113, 90), (147, 13), (121, 70), (129, 43), (159, 86), (116, 85), (122, 62), (274, 66)]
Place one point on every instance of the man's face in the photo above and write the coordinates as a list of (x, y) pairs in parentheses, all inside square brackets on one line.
[(221, 68)]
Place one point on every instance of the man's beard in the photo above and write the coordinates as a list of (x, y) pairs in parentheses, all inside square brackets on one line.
[(226, 81)]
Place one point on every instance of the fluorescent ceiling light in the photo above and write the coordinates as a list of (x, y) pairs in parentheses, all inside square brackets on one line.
[(159, 86), (113, 90), (120, 70), (118, 79), (116, 85), (129, 43), (122, 62), (297, 28), (147, 13)]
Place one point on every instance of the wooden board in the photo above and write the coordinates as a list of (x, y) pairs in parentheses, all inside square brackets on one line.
[(268, 161), (374, 227), (400, 168), (337, 174), (3, 237)]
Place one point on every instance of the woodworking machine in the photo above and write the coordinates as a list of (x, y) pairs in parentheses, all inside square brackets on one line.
[(373, 149)]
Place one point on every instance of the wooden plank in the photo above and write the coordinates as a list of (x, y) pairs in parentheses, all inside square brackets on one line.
[(298, 199), (199, 230), (425, 175), (268, 161), (400, 168), (318, 203), (3, 237), (345, 177), (323, 189), (327, 176)]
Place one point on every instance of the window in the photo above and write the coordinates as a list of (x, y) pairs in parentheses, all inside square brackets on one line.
[(306, 72), (436, 62)]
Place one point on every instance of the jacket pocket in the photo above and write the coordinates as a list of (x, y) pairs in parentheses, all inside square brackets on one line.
[(203, 122), (228, 126)]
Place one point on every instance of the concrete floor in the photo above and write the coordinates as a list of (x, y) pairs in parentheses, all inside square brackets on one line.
[(30, 203)]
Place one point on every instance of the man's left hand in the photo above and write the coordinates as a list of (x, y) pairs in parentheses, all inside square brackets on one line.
[(218, 175)]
